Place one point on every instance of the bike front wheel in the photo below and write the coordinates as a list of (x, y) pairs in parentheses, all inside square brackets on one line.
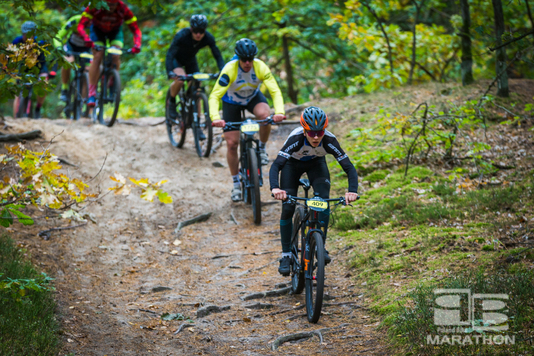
[(254, 182), (109, 98), (297, 274), (73, 109), (202, 127), (25, 108), (315, 278), (175, 127)]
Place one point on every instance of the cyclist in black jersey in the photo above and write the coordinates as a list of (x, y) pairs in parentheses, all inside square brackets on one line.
[(304, 152), (181, 56)]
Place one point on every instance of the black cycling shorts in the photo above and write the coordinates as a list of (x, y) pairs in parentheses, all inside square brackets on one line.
[(232, 112), (189, 67), (318, 174)]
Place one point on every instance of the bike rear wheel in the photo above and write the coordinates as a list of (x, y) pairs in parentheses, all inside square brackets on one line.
[(175, 127), (297, 276), (254, 182), (25, 106), (315, 284), (202, 128), (109, 98)]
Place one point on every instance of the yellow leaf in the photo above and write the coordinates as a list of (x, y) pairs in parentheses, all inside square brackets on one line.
[(149, 194), (141, 182), (118, 178)]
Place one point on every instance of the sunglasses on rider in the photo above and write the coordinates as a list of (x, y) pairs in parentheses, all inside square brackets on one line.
[(315, 133), (198, 30), (251, 59)]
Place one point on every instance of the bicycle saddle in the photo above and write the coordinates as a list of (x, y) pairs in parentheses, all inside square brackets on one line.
[(305, 183)]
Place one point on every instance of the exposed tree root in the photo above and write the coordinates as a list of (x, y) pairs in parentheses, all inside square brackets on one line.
[(183, 326), (270, 293), (21, 136), (196, 219)]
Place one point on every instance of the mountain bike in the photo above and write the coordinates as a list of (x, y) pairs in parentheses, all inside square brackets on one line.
[(249, 158), (79, 87), (307, 249), (108, 97), (193, 112), (25, 108)]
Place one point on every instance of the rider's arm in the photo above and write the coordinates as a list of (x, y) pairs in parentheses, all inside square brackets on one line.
[(331, 145), (292, 144), (86, 19), (274, 172), (173, 50), (264, 74), (60, 36), (215, 51), (131, 21), (227, 76)]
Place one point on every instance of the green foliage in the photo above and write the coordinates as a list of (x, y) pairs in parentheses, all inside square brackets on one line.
[(28, 324)]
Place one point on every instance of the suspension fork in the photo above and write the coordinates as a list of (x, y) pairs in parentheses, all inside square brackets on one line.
[(308, 272)]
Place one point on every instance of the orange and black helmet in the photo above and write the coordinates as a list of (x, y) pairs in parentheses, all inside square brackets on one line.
[(313, 119)]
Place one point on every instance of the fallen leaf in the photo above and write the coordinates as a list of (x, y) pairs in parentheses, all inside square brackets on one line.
[(177, 242)]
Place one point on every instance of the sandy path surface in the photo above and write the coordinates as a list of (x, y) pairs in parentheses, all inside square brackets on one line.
[(116, 277)]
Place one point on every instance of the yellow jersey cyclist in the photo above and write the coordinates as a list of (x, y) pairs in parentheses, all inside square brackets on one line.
[(69, 39), (304, 152), (239, 88)]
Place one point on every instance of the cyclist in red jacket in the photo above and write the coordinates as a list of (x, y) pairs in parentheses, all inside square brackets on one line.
[(106, 26)]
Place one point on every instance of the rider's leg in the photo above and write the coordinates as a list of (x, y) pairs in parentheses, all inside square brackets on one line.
[(16, 106), (94, 71), (232, 157), (289, 181), (117, 41), (40, 99), (177, 85), (65, 78)]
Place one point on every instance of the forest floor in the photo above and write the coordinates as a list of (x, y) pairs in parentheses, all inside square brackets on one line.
[(116, 277)]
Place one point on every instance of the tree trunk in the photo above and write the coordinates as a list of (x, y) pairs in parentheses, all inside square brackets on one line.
[(502, 76), (412, 64), (529, 15), (390, 55), (467, 58), (289, 71)]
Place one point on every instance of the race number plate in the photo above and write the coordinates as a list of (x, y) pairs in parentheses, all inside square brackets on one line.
[(200, 76), (317, 204), (250, 128), (114, 51)]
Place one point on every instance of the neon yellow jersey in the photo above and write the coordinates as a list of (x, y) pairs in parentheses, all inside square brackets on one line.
[(69, 29), (235, 86)]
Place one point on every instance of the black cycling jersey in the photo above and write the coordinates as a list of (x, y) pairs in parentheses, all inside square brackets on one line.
[(297, 147), (184, 49)]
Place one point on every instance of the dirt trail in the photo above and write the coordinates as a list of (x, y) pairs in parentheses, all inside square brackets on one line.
[(107, 273)]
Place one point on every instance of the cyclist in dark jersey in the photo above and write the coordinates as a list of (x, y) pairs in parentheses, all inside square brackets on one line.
[(106, 26), (181, 56), (27, 29), (304, 152)]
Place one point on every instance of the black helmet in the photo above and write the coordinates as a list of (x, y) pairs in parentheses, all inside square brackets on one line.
[(245, 48), (313, 119), (199, 21)]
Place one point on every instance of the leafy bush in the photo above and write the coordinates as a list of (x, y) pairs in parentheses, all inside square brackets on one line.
[(27, 322)]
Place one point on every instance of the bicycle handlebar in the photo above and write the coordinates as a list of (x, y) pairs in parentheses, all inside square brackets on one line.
[(192, 76), (267, 121)]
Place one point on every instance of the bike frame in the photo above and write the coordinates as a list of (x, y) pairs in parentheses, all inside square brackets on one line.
[(188, 96), (309, 222)]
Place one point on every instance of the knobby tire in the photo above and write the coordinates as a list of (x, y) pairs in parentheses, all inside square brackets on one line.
[(203, 125), (297, 277), (315, 287), (176, 129), (110, 95), (254, 181)]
